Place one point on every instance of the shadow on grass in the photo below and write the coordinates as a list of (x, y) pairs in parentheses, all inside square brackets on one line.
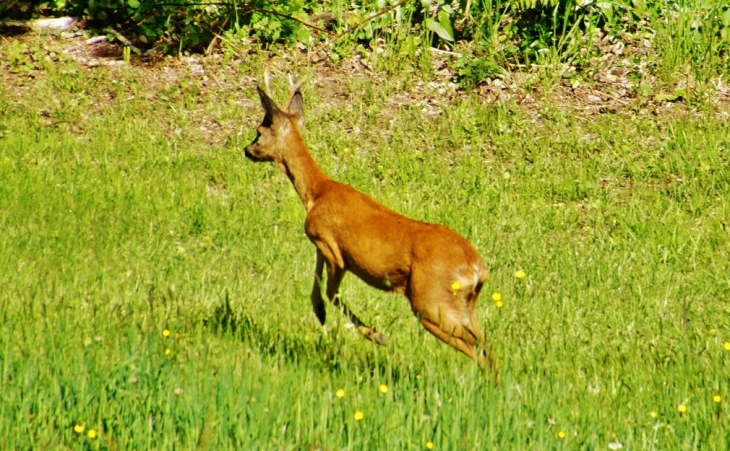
[(328, 352)]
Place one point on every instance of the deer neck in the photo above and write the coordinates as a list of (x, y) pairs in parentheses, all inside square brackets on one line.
[(304, 173)]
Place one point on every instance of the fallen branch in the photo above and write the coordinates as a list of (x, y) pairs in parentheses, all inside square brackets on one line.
[(445, 52), (120, 37), (15, 24)]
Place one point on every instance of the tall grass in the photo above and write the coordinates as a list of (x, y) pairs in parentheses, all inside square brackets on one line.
[(154, 284), (689, 41)]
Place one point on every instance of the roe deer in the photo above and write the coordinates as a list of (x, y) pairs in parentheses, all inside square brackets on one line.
[(439, 272)]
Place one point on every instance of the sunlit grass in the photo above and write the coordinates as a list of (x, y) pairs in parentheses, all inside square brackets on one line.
[(154, 288)]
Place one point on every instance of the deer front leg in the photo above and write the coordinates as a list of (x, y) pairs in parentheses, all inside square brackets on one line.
[(334, 278), (316, 297)]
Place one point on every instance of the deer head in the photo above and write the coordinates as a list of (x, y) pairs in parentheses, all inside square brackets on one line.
[(279, 126)]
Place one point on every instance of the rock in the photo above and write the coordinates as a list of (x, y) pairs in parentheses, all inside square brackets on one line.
[(609, 78), (56, 23), (96, 40)]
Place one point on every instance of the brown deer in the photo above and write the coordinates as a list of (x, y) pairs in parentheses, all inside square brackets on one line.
[(439, 272)]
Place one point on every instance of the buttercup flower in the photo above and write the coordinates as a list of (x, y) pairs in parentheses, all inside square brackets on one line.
[(340, 393), (520, 274), (92, 433), (727, 345), (717, 398), (561, 434), (682, 408), (168, 351), (359, 415), (497, 297), (653, 414), (383, 388), (166, 333), (429, 445), (79, 428)]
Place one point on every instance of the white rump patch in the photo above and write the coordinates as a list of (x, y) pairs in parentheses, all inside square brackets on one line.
[(467, 281)]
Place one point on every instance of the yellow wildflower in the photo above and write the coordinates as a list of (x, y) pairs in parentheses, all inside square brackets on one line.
[(682, 408), (561, 434), (359, 415), (168, 351), (727, 345), (383, 388), (653, 414), (520, 274), (429, 445), (340, 393), (166, 333), (500, 304), (717, 398), (456, 285), (497, 297), (92, 433), (79, 428)]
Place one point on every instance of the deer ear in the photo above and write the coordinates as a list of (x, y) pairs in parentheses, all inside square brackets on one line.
[(269, 106), (296, 107)]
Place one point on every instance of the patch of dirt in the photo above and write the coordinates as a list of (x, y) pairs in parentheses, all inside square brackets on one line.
[(617, 81)]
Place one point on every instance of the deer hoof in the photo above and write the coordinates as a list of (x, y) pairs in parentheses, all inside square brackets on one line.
[(373, 335), (378, 339)]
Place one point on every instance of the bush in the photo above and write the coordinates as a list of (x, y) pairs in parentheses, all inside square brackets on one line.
[(493, 35)]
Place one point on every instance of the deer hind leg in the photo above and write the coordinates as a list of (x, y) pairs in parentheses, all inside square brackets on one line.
[(449, 313), (463, 337)]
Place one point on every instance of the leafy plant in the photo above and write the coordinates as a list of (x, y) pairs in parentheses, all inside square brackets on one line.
[(439, 21), (471, 70)]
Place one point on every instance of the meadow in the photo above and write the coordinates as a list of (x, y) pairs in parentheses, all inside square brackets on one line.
[(154, 284)]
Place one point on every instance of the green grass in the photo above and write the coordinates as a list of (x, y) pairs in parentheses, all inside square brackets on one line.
[(120, 218)]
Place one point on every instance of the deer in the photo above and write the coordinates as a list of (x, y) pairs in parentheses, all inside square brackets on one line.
[(437, 269)]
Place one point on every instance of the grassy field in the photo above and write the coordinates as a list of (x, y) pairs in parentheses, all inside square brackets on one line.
[(154, 284)]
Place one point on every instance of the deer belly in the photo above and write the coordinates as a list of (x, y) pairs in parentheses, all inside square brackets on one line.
[(382, 277)]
